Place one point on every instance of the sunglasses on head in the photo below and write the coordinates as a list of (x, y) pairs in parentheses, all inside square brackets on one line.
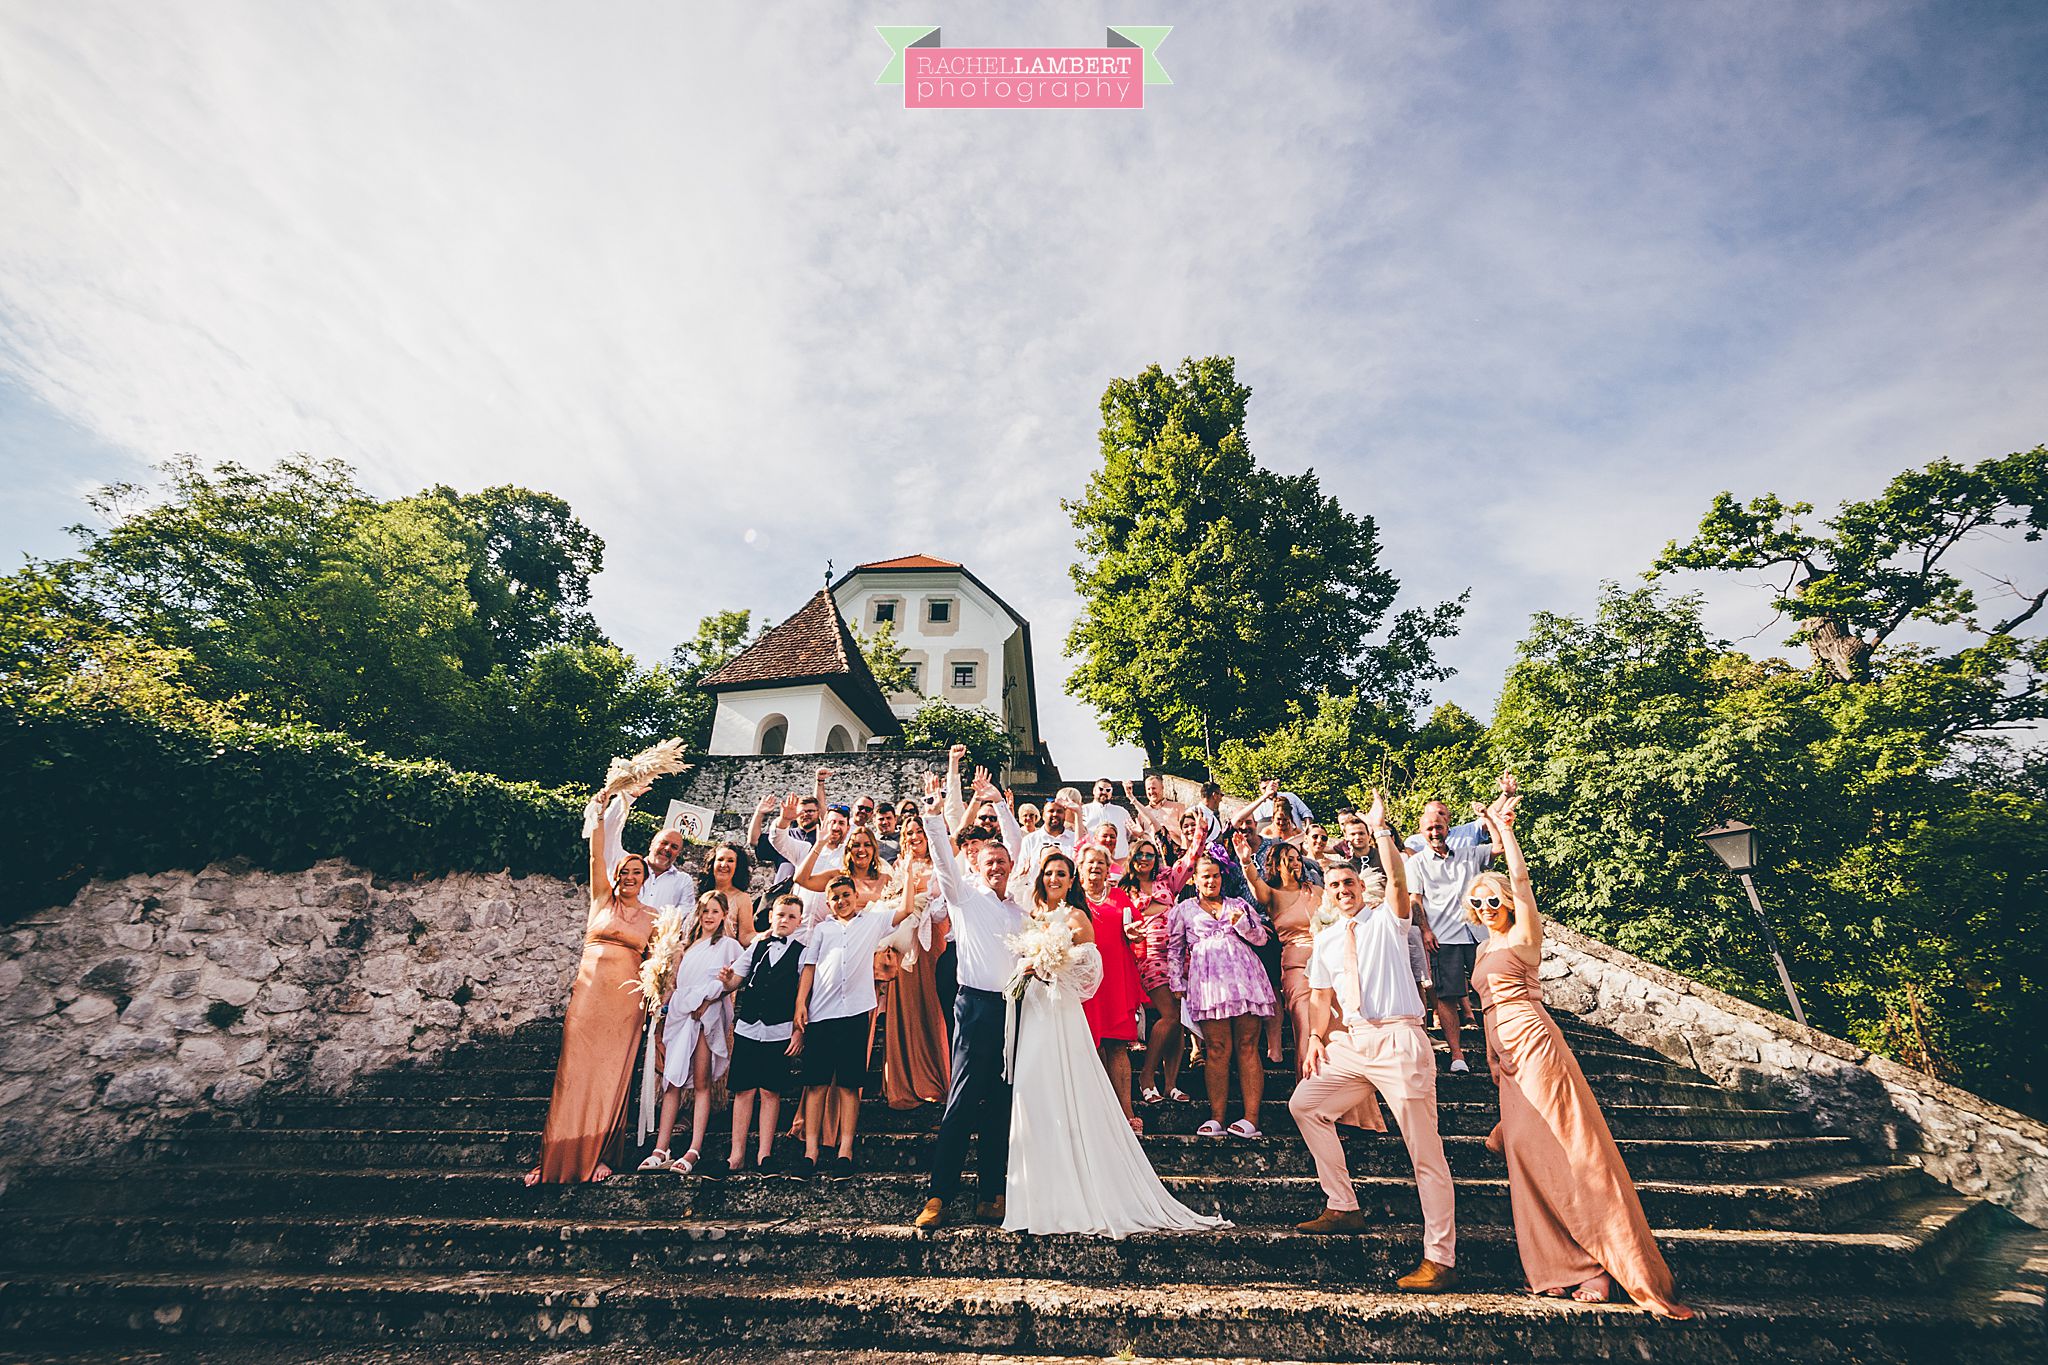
[(1485, 902)]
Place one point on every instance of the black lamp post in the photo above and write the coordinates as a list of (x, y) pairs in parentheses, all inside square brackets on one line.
[(1735, 844)]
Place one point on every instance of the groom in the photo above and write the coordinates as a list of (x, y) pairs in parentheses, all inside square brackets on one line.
[(983, 916)]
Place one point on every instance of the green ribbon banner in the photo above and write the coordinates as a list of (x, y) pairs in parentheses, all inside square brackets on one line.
[(1147, 37), (898, 37)]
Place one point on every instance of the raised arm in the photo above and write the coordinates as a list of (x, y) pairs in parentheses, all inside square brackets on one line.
[(1006, 819), (600, 872), (791, 848), (1390, 855), (1261, 892), (956, 804), (761, 814), (806, 876), (614, 824), (945, 865), (1527, 930)]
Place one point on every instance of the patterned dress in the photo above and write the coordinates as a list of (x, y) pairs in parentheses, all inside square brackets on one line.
[(1210, 963)]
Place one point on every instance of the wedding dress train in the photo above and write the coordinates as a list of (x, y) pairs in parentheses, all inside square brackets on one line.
[(1075, 1164)]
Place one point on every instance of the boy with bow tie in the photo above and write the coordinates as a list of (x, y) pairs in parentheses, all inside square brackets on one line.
[(765, 1034)]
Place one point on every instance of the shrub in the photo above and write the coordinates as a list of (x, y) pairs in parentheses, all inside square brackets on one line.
[(98, 791)]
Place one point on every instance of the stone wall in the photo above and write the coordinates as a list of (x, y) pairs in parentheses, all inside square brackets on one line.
[(1978, 1147), (733, 784), (157, 996)]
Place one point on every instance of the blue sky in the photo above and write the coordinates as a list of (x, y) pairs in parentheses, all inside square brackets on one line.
[(1528, 283)]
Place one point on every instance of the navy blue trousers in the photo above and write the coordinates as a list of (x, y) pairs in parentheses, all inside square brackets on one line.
[(979, 1100)]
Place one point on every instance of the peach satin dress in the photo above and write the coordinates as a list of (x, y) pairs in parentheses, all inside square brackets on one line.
[(600, 1038), (1575, 1208), (916, 1054)]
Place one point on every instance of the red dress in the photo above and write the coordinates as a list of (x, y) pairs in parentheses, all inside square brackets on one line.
[(1113, 1010)]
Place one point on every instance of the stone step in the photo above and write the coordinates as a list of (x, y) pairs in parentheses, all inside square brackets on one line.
[(1813, 1202), (1170, 1153), (1990, 1317), (1475, 1115), (1632, 1081), (1904, 1250)]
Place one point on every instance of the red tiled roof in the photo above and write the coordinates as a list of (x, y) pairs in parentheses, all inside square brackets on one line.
[(812, 646), (910, 562)]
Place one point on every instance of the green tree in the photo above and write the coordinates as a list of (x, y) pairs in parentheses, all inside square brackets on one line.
[(1885, 563), (575, 707), (885, 660), (940, 724), (1216, 592), (1900, 889), (721, 637), (530, 566)]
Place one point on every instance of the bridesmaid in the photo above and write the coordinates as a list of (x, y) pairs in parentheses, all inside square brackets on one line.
[(1290, 902), (1112, 1011), (916, 1054), (586, 1123), (1577, 1218)]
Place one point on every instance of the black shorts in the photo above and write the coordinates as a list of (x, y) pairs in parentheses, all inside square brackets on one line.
[(836, 1052), (758, 1066), (1450, 969)]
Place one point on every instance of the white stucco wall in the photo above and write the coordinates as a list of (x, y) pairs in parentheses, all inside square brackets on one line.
[(980, 627), (811, 712)]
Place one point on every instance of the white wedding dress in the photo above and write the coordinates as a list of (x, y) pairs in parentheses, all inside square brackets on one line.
[(1075, 1164)]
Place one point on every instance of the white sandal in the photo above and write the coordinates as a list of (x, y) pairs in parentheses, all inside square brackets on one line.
[(1210, 1129), (657, 1160), (1149, 1095), (1243, 1128), (686, 1163), (1180, 1096)]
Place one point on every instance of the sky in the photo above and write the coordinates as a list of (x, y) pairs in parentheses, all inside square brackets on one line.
[(1527, 283)]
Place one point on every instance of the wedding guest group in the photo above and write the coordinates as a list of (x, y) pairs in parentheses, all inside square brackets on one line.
[(1041, 973)]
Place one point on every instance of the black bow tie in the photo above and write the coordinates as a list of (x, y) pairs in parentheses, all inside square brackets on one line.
[(778, 938)]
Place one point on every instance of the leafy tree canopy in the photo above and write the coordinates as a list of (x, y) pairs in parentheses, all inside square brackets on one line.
[(1216, 592), (940, 724)]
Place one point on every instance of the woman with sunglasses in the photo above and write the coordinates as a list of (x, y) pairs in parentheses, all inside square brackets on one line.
[(1150, 888), (1578, 1221)]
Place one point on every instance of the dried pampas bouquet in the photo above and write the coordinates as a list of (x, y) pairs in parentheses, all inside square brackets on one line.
[(630, 774)]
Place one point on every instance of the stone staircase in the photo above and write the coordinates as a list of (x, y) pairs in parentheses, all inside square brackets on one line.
[(394, 1217)]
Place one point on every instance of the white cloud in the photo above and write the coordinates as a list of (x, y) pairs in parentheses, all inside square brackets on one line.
[(1528, 285)]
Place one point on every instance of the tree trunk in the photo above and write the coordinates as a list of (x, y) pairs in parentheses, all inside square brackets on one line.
[(1843, 653)]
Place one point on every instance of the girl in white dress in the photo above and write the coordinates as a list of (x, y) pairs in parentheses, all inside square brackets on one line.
[(696, 1034), (1075, 1164)]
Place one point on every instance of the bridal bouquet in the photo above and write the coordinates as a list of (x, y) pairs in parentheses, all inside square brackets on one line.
[(625, 774), (658, 969), (1044, 949)]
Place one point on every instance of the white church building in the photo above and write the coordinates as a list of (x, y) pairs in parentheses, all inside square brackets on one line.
[(804, 687)]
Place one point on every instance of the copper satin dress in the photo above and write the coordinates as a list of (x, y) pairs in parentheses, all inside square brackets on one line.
[(1575, 1209), (600, 1039), (917, 1062)]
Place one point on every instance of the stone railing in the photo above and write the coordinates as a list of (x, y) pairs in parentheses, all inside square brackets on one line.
[(1978, 1147), (156, 996), (733, 784)]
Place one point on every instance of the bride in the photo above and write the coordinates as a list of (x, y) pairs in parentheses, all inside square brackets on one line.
[(1075, 1165)]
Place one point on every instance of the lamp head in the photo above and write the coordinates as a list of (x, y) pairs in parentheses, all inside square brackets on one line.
[(1735, 844)]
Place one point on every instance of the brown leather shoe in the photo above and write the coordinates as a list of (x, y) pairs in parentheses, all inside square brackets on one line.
[(1334, 1220), (933, 1214), (990, 1210), (1428, 1278)]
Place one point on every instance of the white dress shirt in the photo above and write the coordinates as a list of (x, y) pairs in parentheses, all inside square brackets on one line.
[(1033, 847), (661, 890), (1109, 812), (843, 953), (981, 918), (1386, 983), (1263, 811), (831, 859), (1441, 879)]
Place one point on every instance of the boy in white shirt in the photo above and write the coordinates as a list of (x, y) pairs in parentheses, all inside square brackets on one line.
[(835, 1000)]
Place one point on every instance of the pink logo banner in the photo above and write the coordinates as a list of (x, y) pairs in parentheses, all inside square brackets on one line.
[(1023, 78)]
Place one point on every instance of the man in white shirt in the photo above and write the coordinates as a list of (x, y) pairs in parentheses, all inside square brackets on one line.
[(1057, 832), (832, 831), (1365, 1034), (1440, 869), (666, 884), (982, 916), (1104, 810)]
